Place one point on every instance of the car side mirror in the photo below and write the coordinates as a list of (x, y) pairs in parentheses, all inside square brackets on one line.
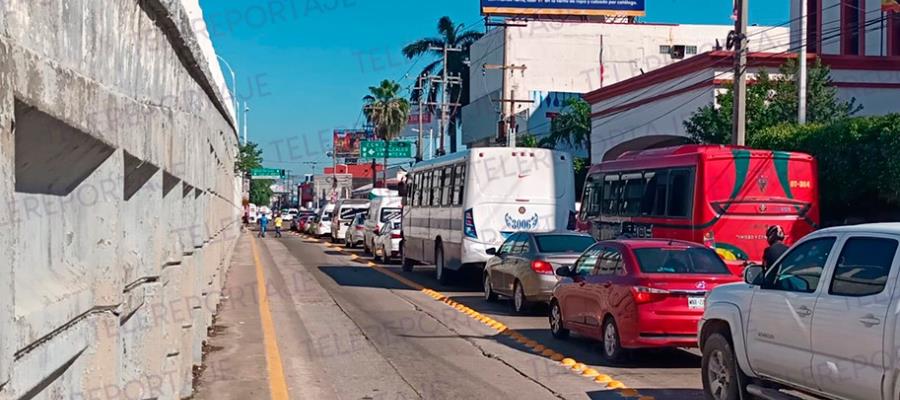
[(752, 273), (491, 251), (563, 271)]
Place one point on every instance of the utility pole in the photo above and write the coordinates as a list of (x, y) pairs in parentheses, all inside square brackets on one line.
[(801, 80), (246, 111), (419, 143), (445, 81), (739, 131), (507, 127)]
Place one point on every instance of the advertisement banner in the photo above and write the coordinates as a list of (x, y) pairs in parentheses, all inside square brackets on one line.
[(346, 142), (630, 8)]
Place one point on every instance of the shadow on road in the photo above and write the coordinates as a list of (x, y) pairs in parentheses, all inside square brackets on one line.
[(660, 394), (362, 277)]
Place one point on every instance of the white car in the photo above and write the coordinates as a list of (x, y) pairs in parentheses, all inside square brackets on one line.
[(821, 321), (387, 243), (345, 212), (323, 225), (356, 231), (382, 210)]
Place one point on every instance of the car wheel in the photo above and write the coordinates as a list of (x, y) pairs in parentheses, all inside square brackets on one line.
[(440, 270), (489, 294), (721, 379), (519, 301), (407, 264), (557, 328), (612, 346)]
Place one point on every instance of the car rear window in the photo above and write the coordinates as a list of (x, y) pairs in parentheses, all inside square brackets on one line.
[(350, 212), (673, 260), (563, 243), (388, 214)]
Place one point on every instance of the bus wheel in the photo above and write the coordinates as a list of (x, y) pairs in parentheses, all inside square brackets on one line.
[(440, 271), (407, 264)]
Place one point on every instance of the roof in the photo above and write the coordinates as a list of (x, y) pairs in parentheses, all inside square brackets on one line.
[(653, 243), (891, 228)]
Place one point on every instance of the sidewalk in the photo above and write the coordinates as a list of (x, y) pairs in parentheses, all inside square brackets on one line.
[(317, 345)]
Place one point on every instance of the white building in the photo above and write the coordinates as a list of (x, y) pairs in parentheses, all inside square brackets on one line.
[(565, 59), (649, 110)]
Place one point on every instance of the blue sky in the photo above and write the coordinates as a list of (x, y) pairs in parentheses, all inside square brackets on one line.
[(304, 65)]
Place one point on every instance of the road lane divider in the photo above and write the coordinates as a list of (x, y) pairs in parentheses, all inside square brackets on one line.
[(277, 384), (566, 362)]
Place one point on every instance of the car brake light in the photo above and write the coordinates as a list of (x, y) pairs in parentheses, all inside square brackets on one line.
[(643, 294), (542, 267), (377, 229), (395, 235), (360, 227), (469, 225)]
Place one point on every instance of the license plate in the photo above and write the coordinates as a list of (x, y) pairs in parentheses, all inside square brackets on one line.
[(695, 303)]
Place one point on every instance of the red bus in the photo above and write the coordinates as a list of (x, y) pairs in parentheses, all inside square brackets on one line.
[(723, 197)]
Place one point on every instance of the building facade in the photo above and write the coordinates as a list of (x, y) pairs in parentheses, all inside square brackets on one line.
[(552, 60)]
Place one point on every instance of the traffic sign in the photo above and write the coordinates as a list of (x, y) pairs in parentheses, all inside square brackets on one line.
[(376, 149), (267, 173)]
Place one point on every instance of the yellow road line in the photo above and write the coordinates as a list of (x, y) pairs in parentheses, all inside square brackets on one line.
[(277, 384)]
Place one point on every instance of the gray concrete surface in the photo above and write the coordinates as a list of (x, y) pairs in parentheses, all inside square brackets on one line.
[(349, 331), (118, 201)]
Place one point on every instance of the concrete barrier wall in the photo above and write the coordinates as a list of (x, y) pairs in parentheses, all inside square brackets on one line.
[(119, 206)]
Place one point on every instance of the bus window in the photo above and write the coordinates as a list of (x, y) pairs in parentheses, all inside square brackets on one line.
[(417, 189), (591, 198), (660, 192), (445, 195), (425, 192), (633, 194), (459, 184), (680, 193), (436, 180), (611, 193)]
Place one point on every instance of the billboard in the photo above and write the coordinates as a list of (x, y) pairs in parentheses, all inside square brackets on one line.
[(630, 8), (346, 141)]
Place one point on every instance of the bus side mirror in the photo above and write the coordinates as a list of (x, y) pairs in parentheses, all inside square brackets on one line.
[(752, 273), (563, 271), (491, 251)]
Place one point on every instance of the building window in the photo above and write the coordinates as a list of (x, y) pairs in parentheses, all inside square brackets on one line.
[(690, 50), (665, 49), (894, 32), (812, 26), (850, 27)]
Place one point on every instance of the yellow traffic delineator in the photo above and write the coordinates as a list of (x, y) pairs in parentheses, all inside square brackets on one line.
[(590, 373), (628, 393), (615, 385), (568, 362), (602, 378), (578, 367), (557, 357), (549, 353), (539, 348)]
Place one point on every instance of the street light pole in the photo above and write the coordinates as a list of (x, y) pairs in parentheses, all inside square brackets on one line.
[(739, 129), (234, 101), (801, 80), (246, 112)]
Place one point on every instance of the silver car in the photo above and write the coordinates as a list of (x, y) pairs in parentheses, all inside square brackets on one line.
[(524, 267)]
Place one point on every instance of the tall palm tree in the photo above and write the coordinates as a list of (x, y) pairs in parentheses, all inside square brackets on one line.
[(572, 126), (453, 36), (387, 112)]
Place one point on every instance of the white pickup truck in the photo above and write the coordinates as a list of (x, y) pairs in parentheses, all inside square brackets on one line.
[(822, 322)]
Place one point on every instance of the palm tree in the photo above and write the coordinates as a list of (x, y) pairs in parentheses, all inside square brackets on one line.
[(452, 36), (572, 126), (387, 112)]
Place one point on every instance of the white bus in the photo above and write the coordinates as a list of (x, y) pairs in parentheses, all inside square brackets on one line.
[(458, 206)]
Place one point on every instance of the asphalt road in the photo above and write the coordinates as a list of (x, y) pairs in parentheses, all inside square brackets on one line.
[(351, 329)]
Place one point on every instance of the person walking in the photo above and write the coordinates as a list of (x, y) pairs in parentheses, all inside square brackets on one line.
[(775, 237), (278, 223), (263, 224)]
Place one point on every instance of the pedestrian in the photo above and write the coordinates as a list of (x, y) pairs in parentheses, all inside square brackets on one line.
[(278, 222), (263, 224), (775, 237)]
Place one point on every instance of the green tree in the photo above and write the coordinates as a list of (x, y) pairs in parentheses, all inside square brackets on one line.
[(572, 126), (527, 140), (249, 157), (453, 36), (387, 112), (261, 192), (772, 100)]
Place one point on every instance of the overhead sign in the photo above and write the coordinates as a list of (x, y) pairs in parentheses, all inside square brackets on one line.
[(414, 119), (346, 141), (377, 148), (266, 173), (630, 8)]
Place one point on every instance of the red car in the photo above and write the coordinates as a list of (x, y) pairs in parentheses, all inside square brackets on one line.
[(638, 293)]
